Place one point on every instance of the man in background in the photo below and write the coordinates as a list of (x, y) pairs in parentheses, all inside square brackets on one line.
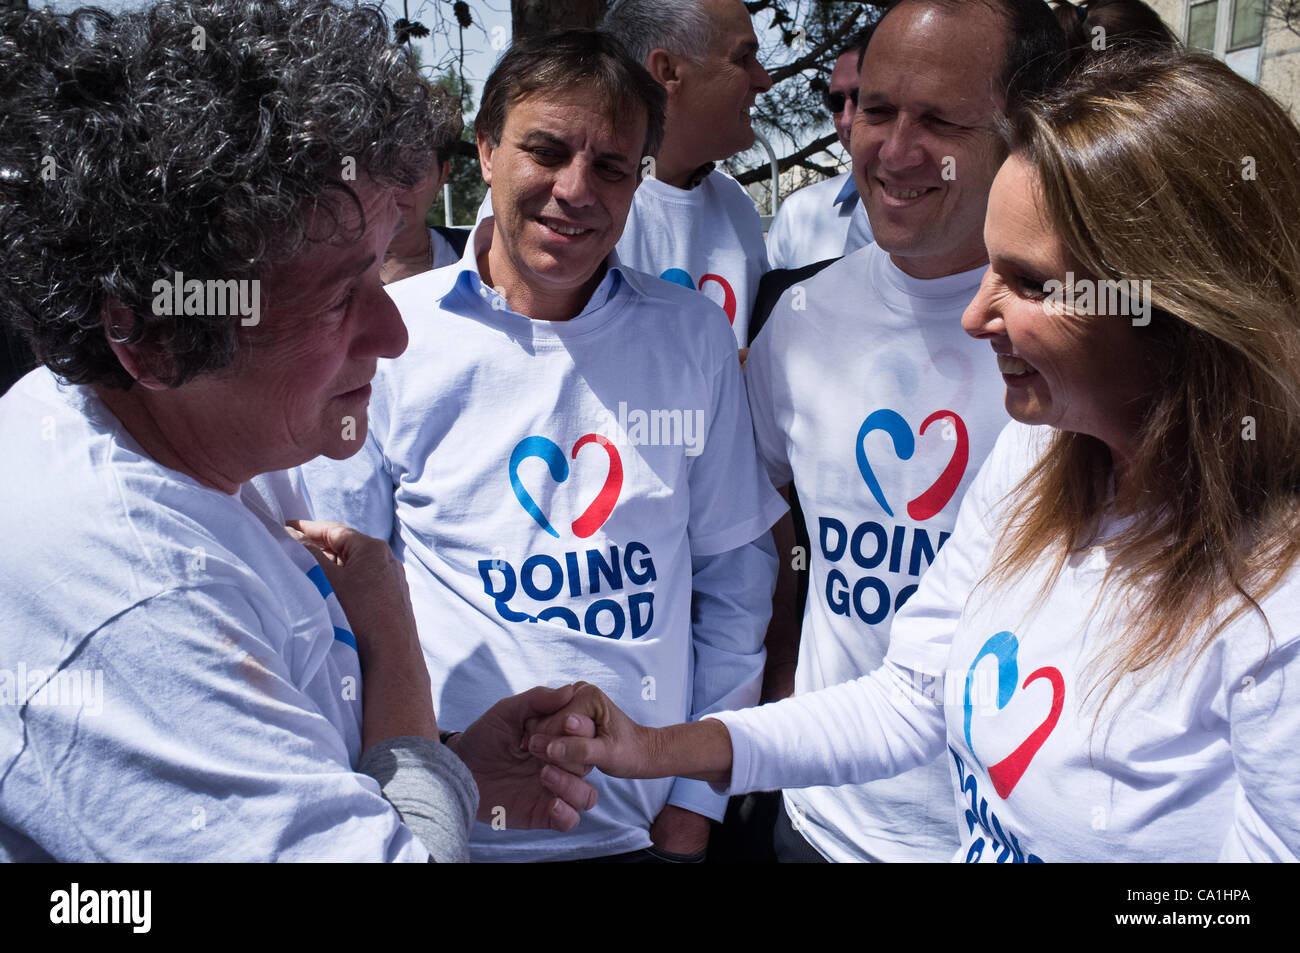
[(691, 224), (868, 396), (812, 225)]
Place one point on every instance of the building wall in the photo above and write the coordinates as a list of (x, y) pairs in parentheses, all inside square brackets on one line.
[(1276, 68)]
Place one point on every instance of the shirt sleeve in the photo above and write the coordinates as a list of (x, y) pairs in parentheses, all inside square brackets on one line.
[(731, 602), (204, 748), (764, 387), (1264, 731), (877, 726), (732, 502)]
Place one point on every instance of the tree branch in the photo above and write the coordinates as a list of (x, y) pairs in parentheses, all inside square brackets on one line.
[(762, 172), (813, 57)]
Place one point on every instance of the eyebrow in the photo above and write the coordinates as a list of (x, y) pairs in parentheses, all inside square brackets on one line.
[(746, 46), (1014, 263), (536, 136)]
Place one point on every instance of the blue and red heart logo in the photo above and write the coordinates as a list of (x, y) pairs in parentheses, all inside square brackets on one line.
[(934, 499), (594, 516), (1004, 647)]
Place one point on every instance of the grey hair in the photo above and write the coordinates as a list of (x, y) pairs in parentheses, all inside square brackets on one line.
[(171, 158), (682, 27)]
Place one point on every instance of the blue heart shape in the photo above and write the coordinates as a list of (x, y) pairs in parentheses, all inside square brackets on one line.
[(1004, 647), (554, 457), (892, 423)]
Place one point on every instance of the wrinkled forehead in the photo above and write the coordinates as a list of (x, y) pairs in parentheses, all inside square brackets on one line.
[(587, 104), (939, 52)]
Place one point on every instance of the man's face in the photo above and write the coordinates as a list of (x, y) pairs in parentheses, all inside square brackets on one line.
[(562, 180), (717, 94), (414, 203), (842, 88), (924, 148), (300, 385)]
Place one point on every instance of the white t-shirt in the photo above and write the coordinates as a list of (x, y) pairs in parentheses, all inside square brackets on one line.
[(1195, 764), (866, 392), (547, 485), (207, 704), (442, 252), (813, 224), (709, 238)]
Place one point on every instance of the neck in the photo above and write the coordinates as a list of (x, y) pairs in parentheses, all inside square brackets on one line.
[(940, 267), (535, 303), (410, 243), (677, 159), (164, 429)]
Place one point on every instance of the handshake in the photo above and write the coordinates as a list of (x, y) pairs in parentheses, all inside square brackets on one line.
[(530, 753)]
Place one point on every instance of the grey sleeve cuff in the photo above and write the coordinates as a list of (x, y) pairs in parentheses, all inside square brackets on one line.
[(431, 789)]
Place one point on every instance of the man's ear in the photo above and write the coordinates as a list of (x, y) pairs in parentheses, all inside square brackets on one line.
[(485, 150), (665, 68), (138, 360)]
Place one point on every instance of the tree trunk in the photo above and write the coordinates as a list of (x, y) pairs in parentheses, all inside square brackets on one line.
[(530, 17)]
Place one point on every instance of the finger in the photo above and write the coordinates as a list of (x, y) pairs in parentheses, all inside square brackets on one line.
[(335, 539), (562, 817), (573, 751), (573, 790), (545, 701), (579, 726), (576, 768)]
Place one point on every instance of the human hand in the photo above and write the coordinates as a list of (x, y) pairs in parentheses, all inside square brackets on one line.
[(679, 831), (609, 739), (370, 585), (514, 785)]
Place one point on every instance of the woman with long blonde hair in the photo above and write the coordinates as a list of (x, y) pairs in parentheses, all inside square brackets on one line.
[(1109, 645)]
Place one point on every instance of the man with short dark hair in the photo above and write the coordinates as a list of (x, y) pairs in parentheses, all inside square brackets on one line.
[(563, 458), (691, 224), (812, 225), (867, 394)]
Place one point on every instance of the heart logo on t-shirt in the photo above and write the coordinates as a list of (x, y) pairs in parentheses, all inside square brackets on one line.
[(934, 499), (680, 276), (594, 516), (1004, 647)]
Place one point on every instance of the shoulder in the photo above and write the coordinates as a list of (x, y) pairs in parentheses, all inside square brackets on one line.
[(677, 316), (730, 193)]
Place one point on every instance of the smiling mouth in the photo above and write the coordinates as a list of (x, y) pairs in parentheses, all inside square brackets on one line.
[(1015, 367), (903, 195), (564, 228)]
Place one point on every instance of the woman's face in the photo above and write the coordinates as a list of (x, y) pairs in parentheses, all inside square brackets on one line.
[(1069, 367)]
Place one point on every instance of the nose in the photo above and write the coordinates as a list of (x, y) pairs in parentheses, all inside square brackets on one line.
[(573, 184), (982, 319), (901, 148), (759, 79), (381, 331)]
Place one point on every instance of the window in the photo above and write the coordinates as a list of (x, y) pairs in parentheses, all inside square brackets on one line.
[(1200, 25), (1232, 30), (1247, 24)]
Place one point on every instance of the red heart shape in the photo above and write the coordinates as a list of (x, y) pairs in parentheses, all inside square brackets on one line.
[(1007, 772), (942, 489), (594, 516)]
